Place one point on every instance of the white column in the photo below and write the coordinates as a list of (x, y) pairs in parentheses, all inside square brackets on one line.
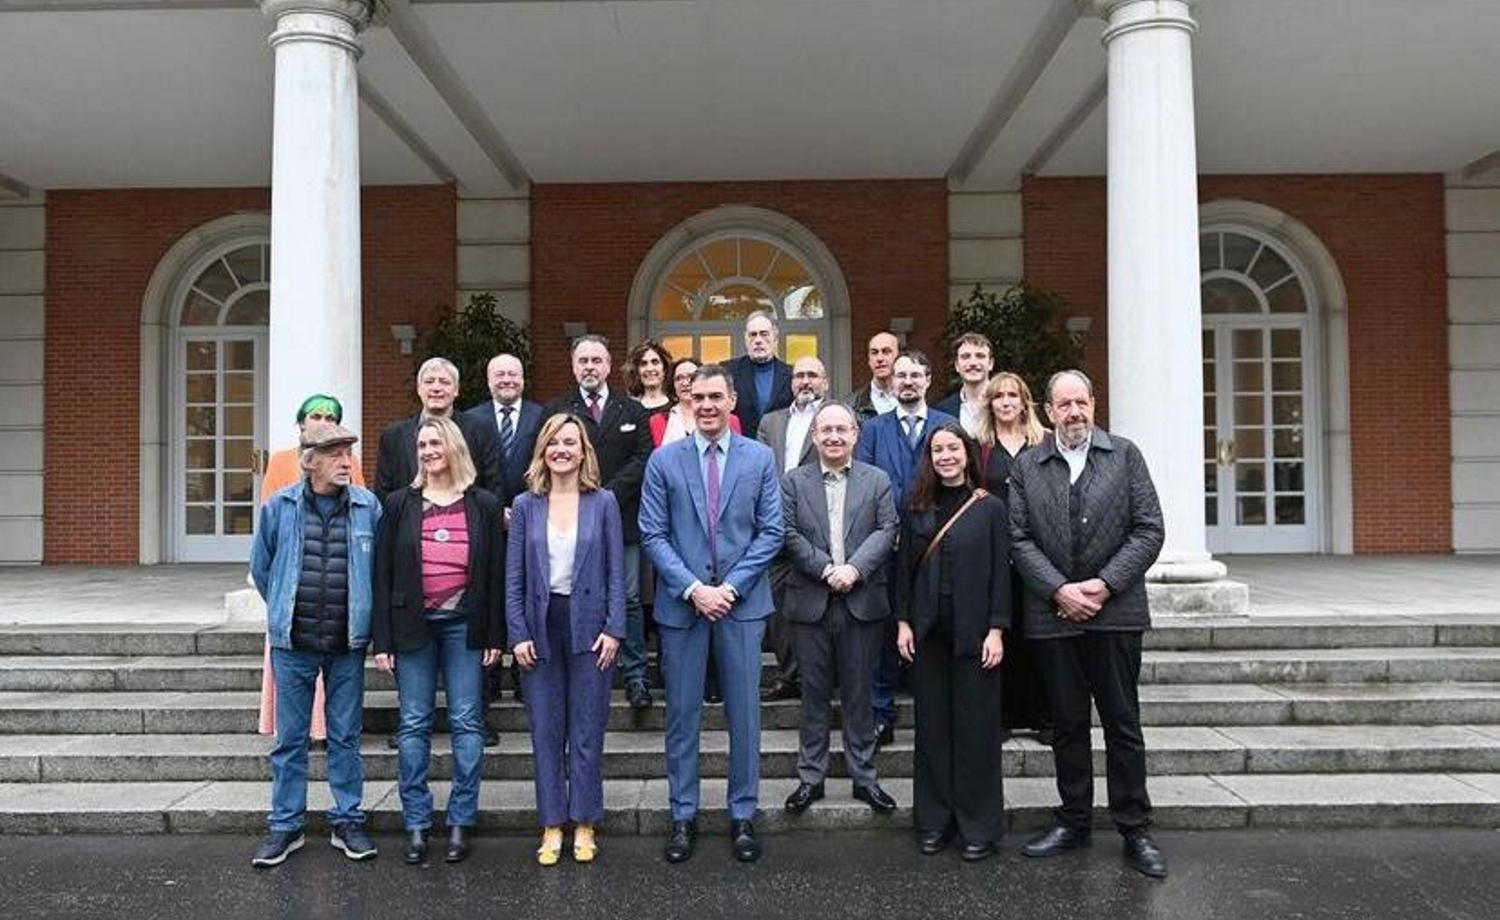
[(1155, 321), (315, 264)]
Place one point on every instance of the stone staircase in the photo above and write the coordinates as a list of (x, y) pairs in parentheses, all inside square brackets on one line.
[(1291, 721)]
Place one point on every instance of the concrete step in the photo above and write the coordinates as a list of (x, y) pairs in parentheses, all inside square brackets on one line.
[(640, 806), (640, 755), (164, 673), (1182, 633), (216, 712)]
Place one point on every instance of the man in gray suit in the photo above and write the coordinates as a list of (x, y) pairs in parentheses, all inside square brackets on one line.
[(788, 432), (840, 529)]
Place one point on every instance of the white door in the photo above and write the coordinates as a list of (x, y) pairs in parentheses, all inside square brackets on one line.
[(219, 440)]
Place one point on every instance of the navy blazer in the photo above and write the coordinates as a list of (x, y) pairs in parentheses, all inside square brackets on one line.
[(528, 425), (746, 406), (882, 442), (597, 602)]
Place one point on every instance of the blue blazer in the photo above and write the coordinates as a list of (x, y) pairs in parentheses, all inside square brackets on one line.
[(674, 527), (882, 442), (597, 603), (528, 424), (747, 406)]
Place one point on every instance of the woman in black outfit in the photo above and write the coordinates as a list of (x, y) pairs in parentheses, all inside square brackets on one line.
[(1010, 427), (954, 606)]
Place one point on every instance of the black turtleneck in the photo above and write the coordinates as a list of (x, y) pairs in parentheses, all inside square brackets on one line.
[(947, 501)]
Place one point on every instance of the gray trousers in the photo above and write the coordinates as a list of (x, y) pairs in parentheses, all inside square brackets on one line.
[(837, 646)]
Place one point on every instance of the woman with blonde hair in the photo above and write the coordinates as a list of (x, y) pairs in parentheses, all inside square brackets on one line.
[(565, 611), (1010, 427), (439, 564)]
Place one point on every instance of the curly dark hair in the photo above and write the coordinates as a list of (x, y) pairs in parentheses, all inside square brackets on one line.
[(633, 361)]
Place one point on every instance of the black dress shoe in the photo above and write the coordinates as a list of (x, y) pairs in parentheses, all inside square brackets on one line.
[(781, 690), (681, 841), (746, 847), (1144, 855), (885, 733), (393, 742), (975, 852), (416, 847), (932, 843), (877, 798), (1059, 838), (458, 845), (803, 796), (712, 696), (491, 735), (638, 695)]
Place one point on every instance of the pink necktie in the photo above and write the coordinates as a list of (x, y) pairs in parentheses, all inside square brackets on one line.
[(713, 506)]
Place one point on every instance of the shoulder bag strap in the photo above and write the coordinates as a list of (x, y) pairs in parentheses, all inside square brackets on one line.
[(943, 532)]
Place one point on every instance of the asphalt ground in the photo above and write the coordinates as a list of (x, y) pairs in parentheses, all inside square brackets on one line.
[(1215, 875)]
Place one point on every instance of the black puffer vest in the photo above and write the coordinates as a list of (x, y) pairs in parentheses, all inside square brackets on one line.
[(320, 615)]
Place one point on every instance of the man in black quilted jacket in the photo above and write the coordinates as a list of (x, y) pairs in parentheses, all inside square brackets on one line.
[(1086, 525)]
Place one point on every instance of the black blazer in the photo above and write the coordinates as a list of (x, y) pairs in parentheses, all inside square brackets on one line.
[(396, 463), (742, 369), (623, 442), (528, 424), (399, 623), (978, 545)]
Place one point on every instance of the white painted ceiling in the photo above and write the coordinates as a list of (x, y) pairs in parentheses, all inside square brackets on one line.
[(750, 89)]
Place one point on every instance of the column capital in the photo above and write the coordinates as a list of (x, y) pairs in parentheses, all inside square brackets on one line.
[(333, 22), (1130, 15)]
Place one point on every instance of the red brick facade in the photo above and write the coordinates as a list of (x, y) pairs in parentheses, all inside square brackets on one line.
[(588, 241), (1385, 233), (102, 247)]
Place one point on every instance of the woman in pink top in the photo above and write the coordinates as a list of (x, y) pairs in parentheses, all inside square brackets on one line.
[(439, 575)]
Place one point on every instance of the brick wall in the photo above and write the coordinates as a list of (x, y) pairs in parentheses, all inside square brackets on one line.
[(890, 239), (103, 247), (1386, 234)]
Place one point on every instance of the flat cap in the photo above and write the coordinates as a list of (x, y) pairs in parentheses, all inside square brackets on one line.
[(326, 434)]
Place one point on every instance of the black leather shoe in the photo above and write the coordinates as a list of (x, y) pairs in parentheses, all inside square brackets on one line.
[(681, 841), (1059, 838), (1144, 855), (458, 845), (416, 847), (877, 798), (746, 847), (781, 690), (803, 796), (885, 733), (932, 843), (712, 696), (975, 852), (393, 742), (491, 735), (638, 695)]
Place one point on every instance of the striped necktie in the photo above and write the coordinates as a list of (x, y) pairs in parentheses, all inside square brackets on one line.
[(507, 430)]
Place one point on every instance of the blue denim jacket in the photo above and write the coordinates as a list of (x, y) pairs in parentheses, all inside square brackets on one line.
[(276, 561)]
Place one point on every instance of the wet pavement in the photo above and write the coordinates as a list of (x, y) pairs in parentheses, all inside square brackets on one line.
[(1219, 875)]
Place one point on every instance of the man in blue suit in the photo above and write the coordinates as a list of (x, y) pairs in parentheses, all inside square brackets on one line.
[(711, 521), (895, 441), (516, 421)]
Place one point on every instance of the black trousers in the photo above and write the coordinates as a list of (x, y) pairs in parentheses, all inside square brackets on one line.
[(957, 778), (1025, 703), (1104, 667)]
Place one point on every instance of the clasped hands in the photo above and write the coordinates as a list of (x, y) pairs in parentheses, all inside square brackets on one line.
[(841, 579), (1081, 600), (386, 661), (712, 601)]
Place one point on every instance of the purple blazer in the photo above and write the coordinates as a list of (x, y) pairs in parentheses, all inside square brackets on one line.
[(597, 604)]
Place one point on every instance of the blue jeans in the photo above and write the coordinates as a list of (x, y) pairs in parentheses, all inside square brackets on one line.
[(344, 680), (632, 658), (416, 695)]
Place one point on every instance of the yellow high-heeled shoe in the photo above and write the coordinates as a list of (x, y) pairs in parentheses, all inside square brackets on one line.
[(584, 846), (551, 849)]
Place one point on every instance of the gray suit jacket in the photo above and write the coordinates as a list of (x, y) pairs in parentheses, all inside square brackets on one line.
[(870, 527), (772, 433), (1113, 532)]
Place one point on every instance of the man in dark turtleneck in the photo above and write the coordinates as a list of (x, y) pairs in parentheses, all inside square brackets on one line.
[(762, 380)]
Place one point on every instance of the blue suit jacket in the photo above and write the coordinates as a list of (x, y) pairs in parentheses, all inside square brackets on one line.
[(674, 527), (513, 468), (882, 442), (747, 405), (597, 602)]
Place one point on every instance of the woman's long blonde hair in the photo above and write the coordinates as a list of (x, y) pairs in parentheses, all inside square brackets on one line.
[(1032, 425), (460, 462), (539, 478)]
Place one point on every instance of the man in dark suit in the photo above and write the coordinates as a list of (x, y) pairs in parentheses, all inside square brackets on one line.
[(894, 442), (620, 430), (840, 530), (762, 381), (1086, 525), (973, 362), (870, 401), (396, 463), (788, 432)]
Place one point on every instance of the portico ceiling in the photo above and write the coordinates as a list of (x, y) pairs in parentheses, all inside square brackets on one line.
[(114, 93)]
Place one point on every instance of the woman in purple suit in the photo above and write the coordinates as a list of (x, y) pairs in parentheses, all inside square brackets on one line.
[(565, 608)]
